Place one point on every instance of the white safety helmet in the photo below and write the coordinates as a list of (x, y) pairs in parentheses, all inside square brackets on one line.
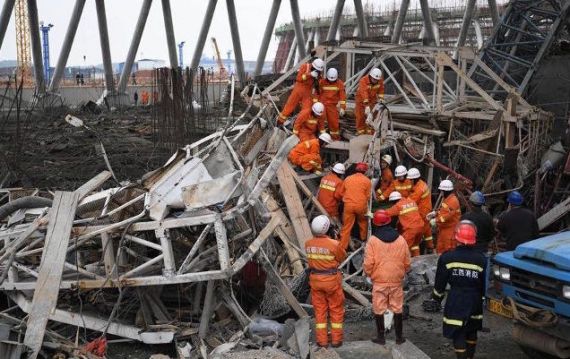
[(446, 185), (318, 108), (376, 73), (387, 159), (332, 74), (413, 173), (395, 196), (339, 169), (325, 137), (318, 64), (401, 171), (320, 225)]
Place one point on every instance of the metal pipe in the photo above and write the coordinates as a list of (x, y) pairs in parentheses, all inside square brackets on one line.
[(361, 17), (267, 37), (36, 46), (428, 23), (299, 35), (105, 47), (335, 21), (400, 21), (5, 18), (67, 42), (203, 33), (467, 16), (135, 42), (494, 12), (234, 29), (169, 27)]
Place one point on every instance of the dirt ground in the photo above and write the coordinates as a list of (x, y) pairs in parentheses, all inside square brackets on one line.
[(494, 343)]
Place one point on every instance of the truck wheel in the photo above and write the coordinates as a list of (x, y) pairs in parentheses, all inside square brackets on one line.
[(535, 354)]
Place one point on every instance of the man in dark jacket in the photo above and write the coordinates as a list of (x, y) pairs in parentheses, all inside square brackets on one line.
[(518, 225), (464, 270), (483, 221)]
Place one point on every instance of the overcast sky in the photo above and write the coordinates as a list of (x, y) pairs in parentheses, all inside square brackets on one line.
[(187, 16)]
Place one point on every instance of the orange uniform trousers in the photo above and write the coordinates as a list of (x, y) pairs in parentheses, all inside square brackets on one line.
[(386, 297), (361, 127), (327, 298), (350, 215), (300, 95), (445, 240), (413, 237), (332, 117)]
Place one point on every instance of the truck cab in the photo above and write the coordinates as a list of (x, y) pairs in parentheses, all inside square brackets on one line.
[(532, 284)]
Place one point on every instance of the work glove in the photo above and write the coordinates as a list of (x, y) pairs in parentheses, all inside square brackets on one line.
[(376, 108), (367, 110), (430, 215), (314, 74), (342, 112), (432, 222), (370, 215)]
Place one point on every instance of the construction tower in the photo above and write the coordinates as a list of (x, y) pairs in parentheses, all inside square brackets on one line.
[(23, 48)]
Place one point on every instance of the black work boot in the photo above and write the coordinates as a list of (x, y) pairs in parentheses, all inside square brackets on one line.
[(470, 353), (461, 353), (381, 330), (399, 324)]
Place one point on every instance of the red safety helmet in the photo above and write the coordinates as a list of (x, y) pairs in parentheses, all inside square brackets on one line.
[(381, 218), (466, 233), (361, 167)]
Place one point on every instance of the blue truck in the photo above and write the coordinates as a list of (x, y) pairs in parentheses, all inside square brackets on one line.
[(532, 285)]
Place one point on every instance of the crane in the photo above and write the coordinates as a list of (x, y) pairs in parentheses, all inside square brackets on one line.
[(221, 66), (24, 55)]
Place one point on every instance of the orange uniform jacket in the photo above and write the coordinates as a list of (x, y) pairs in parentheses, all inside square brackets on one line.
[(356, 190), (367, 93), (323, 254), (422, 196), (330, 193), (307, 155), (404, 187), (306, 125), (447, 217), (332, 93), (386, 263), (385, 183), (408, 214)]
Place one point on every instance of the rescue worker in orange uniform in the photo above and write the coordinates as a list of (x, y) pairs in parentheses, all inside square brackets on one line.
[(302, 90), (386, 178), (421, 194), (370, 91), (333, 96), (446, 218), (324, 256), (355, 198), (331, 190), (400, 184), (309, 121), (410, 223), (307, 154), (386, 261)]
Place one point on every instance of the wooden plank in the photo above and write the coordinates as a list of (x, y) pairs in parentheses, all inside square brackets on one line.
[(93, 184), (554, 214), (46, 290), (294, 204)]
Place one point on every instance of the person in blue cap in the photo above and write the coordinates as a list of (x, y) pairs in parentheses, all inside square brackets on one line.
[(518, 224), (482, 219)]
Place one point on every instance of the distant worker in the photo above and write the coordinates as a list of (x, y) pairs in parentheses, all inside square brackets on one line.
[(518, 224), (446, 218), (355, 199), (401, 183), (421, 194), (324, 256), (370, 91), (307, 76), (309, 121), (482, 220), (136, 98), (331, 190), (307, 154), (386, 178), (410, 223), (464, 270), (145, 98), (333, 96), (386, 261)]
